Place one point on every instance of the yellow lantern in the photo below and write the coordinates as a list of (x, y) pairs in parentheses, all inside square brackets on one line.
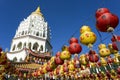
[(87, 37), (101, 46), (85, 28), (83, 59), (71, 66), (54, 72), (103, 61), (65, 54), (103, 51), (61, 70), (52, 63), (44, 69)]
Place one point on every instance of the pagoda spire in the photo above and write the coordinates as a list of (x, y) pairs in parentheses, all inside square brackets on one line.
[(37, 11)]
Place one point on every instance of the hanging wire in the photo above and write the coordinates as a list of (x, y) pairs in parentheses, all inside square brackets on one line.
[(100, 6), (100, 36)]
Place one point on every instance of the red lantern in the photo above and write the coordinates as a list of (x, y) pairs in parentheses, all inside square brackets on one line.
[(118, 70), (76, 57), (65, 69), (99, 75), (36, 74), (108, 74), (58, 61), (93, 57), (73, 40), (75, 48), (115, 38), (28, 75), (105, 21), (118, 76), (92, 76), (99, 64), (20, 74), (101, 11), (4, 62), (48, 68), (76, 61), (0, 49), (41, 71), (57, 54), (114, 46), (110, 60), (57, 70), (65, 66)]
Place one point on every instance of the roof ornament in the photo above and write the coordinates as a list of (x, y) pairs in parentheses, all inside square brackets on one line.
[(37, 11)]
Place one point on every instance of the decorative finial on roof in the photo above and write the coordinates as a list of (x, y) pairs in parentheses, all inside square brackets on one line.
[(37, 11)]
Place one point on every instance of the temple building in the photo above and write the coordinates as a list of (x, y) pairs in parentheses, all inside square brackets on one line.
[(31, 45), (33, 33)]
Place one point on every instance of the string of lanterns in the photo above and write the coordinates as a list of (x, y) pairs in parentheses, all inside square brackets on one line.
[(91, 63)]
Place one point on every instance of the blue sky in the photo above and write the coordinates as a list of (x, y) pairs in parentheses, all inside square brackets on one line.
[(63, 16)]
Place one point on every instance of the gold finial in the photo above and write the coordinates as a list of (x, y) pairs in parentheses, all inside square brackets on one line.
[(37, 11)]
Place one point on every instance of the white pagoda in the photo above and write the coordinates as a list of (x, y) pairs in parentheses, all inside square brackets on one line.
[(33, 33)]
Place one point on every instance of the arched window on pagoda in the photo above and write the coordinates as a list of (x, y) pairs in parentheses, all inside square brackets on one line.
[(41, 47), (24, 44), (28, 32), (35, 46), (13, 48), (37, 34), (21, 59), (14, 59), (29, 45), (22, 32), (19, 46), (40, 33), (25, 32), (43, 33), (32, 25)]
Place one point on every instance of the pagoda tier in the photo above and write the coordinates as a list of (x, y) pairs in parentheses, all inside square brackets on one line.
[(27, 55)]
